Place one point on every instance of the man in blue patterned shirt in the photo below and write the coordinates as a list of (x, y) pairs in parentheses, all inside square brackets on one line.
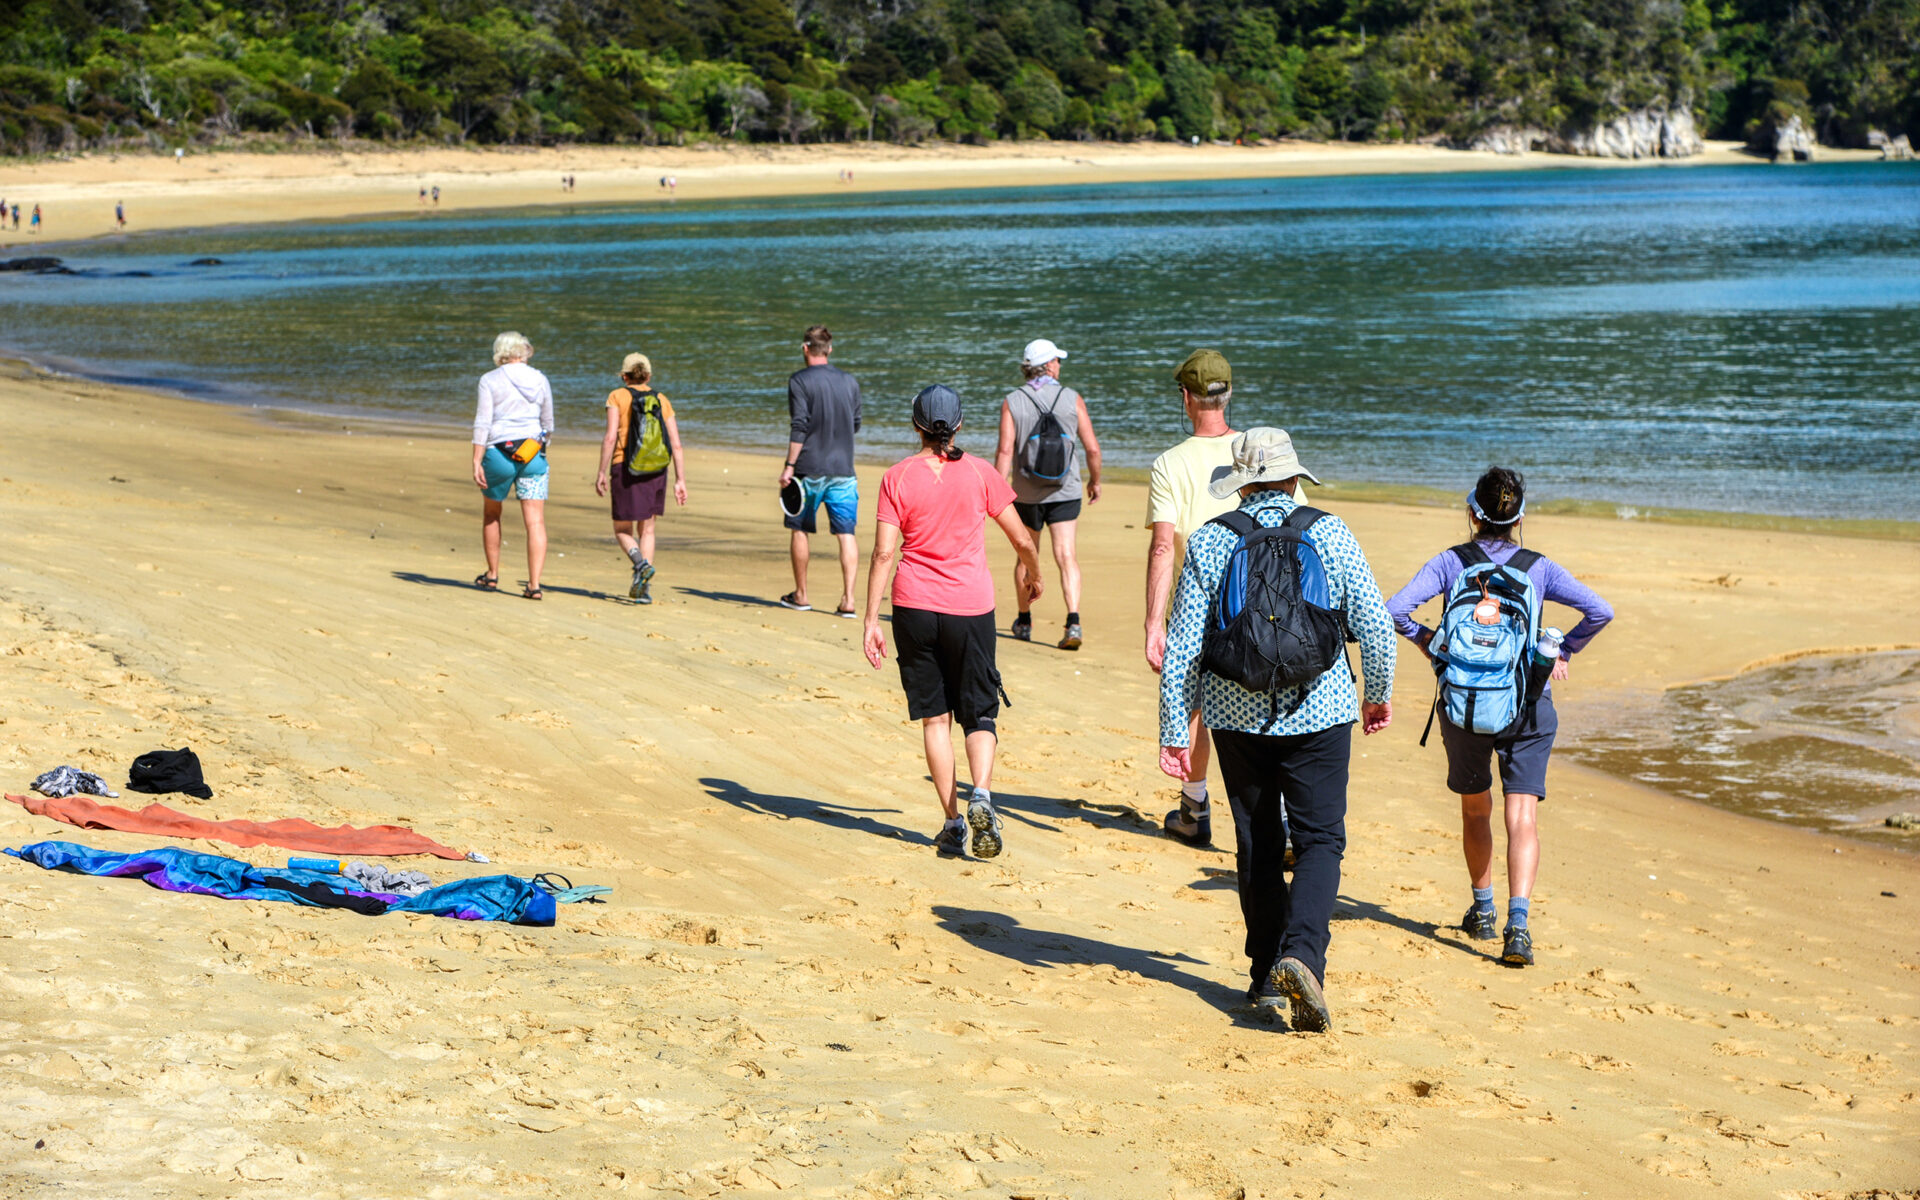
[(1294, 746)]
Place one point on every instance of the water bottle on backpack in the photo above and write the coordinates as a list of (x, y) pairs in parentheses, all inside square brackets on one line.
[(1488, 640)]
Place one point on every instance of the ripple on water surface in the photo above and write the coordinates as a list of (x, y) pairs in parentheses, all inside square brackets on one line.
[(1830, 742)]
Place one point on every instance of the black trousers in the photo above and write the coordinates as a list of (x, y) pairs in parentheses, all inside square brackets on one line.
[(1308, 772)]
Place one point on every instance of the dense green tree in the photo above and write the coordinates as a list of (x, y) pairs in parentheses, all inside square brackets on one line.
[(76, 73)]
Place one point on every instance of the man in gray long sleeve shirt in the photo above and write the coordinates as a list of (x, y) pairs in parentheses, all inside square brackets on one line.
[(823, 403)]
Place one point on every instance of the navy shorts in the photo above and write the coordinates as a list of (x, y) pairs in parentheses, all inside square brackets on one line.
[(1522, 753)]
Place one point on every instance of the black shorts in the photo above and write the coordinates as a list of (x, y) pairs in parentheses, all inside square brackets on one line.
[(1522, 752), (1037, 516), (946, 666)]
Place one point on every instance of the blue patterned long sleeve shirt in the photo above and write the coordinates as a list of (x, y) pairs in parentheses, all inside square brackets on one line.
[(1330, 699)]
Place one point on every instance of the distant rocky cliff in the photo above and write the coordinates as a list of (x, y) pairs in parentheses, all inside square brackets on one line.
[(1652, 132)]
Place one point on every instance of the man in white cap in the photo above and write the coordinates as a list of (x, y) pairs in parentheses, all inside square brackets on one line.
[(1044, 428), (1282, 718)]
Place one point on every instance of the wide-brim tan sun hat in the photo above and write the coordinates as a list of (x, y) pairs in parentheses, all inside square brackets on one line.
[(1260, 455)]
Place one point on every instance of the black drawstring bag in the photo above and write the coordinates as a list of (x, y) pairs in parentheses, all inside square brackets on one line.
[(169, 771)]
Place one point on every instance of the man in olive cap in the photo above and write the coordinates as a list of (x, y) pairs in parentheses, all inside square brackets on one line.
[(1178, 502)]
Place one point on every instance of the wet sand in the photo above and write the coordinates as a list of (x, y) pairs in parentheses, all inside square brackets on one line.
[(789, 992), (314, 182)]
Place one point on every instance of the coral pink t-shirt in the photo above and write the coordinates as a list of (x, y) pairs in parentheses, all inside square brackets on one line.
[(942, 520)]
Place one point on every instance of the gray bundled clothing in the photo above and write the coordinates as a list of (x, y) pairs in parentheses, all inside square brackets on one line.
[(67, 781), (368, 878)]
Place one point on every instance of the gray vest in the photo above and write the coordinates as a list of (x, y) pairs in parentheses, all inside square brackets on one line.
[(1026, 403)]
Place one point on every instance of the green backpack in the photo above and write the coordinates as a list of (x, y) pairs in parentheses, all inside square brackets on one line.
[(647, 452)]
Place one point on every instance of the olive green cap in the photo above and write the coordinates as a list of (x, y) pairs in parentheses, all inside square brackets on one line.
[(1205, 374)]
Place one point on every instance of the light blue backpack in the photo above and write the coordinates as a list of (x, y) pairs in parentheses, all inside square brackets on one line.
[(1486, 675)]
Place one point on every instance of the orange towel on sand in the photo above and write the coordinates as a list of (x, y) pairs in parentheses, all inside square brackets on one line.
[(292, 833)]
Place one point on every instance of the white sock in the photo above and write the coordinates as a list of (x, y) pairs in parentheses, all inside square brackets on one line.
[(1194, 792)]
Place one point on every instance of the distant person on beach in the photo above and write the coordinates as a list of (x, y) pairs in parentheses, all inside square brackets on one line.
[(1495, 509), (436, 193), (16, 218), (1300, 590), (511, 428), (1178, 503), (642, 432), (120, 214), (932, 517), (423, 193), (35, 226), (1044, 426), (823, 409)]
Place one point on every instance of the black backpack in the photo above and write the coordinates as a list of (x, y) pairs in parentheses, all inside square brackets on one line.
[(1047, 454), (1271, 626)]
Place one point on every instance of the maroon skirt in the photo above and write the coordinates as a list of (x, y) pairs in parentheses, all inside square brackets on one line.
[(638, 497)]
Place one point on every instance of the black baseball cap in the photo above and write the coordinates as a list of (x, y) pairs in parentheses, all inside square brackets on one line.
[(934, 405)]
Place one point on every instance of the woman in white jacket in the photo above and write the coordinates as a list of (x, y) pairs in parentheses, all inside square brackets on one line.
[(511, 428)]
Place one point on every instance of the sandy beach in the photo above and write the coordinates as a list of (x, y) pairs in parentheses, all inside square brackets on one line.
[(788, 991), (318, 181)]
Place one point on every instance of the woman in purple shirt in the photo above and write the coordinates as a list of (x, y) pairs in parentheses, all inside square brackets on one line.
[(1495, 507)]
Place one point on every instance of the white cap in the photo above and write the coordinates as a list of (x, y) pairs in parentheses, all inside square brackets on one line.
[(1040, 352)]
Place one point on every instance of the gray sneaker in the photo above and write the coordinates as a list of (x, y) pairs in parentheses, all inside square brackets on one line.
[(985, 824), (952, 839), (1071, 639), (642, 571), (1291, 978), (645, 594)]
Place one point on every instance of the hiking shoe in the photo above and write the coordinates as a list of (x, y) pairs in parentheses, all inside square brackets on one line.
[(1519, 947), (1478, 923), (645, 594), (642, 571), (1072, 639), (952, 839), (1263, 1000), (1291, 978), (1182, 826), (1023, 628), (986, 827)]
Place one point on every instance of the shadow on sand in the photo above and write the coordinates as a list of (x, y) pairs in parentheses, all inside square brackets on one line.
[(788, 808), (1003, 935), (508, 587)]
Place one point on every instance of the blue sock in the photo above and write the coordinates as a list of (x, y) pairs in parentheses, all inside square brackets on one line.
[(1517, 907), (1483, 899)]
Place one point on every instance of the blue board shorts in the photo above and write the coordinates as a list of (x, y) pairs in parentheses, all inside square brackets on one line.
[(841, 495), (1522, 754), (528, 480)]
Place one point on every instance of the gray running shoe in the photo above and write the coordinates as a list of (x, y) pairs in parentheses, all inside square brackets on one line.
[(645, 595), (952, 839), (1518, 951), (1292, 978), (986, 826), (642, 571), (1072, 639), (1023, 628), (1478, 923)]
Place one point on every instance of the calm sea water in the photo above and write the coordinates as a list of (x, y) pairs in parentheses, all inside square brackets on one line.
[(1724, 338)]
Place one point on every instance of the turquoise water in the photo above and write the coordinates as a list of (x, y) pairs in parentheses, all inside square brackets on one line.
[(1723, 338)]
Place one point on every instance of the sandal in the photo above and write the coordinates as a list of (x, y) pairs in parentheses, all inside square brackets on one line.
[(486, 582), (533, 593), (790, 600)]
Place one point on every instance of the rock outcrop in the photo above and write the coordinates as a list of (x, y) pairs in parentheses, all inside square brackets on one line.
[(1792, 142), (1892, 149), (1652, 132)]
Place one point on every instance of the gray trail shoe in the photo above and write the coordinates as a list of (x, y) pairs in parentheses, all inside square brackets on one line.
[(1518, 951), (985, 824), (1292, 978), (952, 839), (1478, 923), (1072, 638), (642, 571)]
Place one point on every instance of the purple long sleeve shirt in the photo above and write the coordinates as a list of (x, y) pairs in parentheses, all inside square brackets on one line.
[(1556, 584)]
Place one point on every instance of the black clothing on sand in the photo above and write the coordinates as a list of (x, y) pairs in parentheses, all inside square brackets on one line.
[(159, 771), (823, 403), (1308, 771)]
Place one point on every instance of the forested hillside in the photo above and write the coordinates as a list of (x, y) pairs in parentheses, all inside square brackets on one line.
[(86, 73)]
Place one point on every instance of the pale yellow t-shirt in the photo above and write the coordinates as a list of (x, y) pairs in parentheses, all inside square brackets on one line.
[(1177, 490)]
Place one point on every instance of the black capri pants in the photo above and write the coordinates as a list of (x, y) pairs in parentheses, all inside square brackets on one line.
[(947, 666)]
